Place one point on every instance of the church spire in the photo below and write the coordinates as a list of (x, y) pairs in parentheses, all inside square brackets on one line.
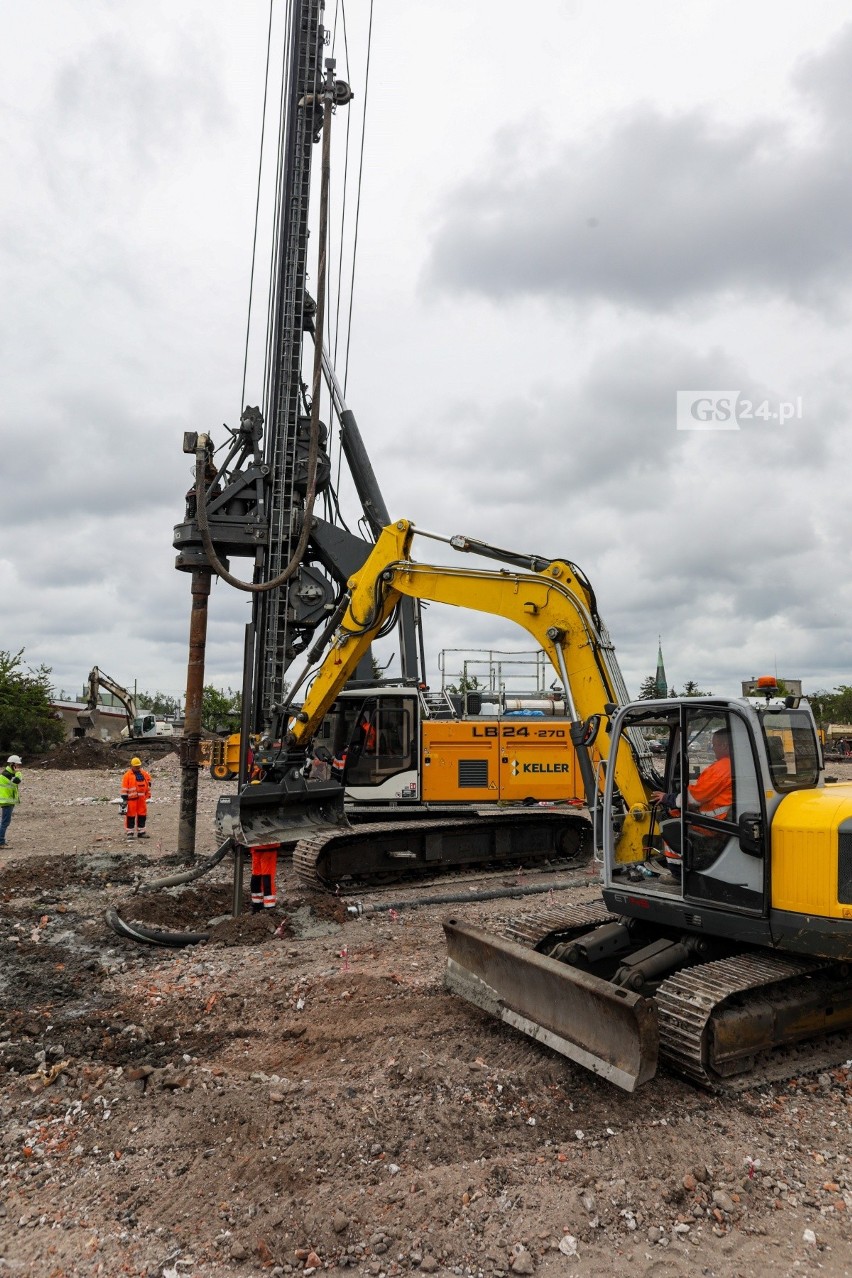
[(661, 687)]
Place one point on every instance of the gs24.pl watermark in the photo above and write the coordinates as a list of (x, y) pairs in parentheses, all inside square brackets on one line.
[(728, 409)]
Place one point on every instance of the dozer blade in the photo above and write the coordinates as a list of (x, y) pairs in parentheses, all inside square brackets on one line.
[(608, 1030), (280, 812)]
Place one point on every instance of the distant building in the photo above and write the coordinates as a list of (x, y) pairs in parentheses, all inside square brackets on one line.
[(792, 687), (109, 720)]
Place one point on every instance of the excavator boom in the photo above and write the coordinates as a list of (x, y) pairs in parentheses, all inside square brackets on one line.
[(96, 680), (552, 602)]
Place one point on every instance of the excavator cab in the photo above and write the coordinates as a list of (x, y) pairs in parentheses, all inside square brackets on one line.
[(718, 967), (373, 742), (725, 769), (144, 725)]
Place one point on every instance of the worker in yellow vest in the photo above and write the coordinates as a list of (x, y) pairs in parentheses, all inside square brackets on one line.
[(10, 779)]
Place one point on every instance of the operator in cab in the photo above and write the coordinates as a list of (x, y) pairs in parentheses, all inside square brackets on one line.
[(712, 794)]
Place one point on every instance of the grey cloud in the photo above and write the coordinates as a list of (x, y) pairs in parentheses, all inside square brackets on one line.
[(666, 209), (103, 463), (711, 539), (609, 434), (110, 106)]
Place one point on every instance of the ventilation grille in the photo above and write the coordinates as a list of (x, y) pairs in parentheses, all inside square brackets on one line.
[(844, 869), (473, 774)]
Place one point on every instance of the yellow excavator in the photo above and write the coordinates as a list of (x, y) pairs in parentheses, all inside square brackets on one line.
[(734, 969), (291, 802)]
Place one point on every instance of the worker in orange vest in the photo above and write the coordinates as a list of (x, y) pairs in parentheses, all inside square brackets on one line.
[(135, 793), (712, 794), (368, 735), (264, 859)]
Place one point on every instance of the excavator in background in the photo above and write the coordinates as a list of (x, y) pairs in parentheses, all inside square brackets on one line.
[(142, 724), (292, 798), (735, 971), (431, 750)]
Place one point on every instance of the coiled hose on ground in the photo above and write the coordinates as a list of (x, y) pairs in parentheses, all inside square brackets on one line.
[(135, 932), (150, 936)]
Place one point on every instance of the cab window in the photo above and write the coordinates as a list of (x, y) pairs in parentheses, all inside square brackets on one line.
[(730, 789), (371, 739), (792, 748)]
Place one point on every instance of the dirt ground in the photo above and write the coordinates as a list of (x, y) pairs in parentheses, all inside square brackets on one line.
[(300, 1093)]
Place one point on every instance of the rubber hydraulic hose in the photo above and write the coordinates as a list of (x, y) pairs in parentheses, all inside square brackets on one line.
[(456, 898), (148, 936), (186, 876)]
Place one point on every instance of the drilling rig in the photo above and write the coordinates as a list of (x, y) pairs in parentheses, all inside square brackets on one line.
[(259, 499)]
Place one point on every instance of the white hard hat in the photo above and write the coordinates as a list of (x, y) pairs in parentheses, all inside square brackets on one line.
[(16, 759)]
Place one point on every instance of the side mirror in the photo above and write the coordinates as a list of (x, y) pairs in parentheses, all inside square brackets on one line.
[(751, 834)]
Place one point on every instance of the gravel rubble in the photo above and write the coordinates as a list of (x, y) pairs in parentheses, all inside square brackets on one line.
[(301, 1095)]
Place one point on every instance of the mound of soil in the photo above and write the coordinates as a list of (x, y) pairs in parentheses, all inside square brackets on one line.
[(251, 929), (88, 752), (81, 752)]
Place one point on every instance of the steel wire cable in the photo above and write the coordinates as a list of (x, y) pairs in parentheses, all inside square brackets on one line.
[(297, 554), (345, 187), (257, 205), (358, 202)]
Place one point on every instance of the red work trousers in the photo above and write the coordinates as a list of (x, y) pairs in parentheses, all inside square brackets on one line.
[(136, 815), (263, 862)]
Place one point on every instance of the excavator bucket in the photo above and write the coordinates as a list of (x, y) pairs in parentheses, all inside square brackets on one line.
[(608, 1030), (283, 812)]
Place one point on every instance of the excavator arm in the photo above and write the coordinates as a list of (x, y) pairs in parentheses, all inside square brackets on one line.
[(96, 680), (551, 600)]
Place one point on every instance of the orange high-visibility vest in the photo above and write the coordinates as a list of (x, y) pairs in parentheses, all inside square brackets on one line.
[(136, 784), (714, 790)]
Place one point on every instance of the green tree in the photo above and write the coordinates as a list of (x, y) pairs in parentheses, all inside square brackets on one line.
[(466, 683), (220, 711), (648, 689), (691, 689), (27, 723), (832, 707), (158, 703)]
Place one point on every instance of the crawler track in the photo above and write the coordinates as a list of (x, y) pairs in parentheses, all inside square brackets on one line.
[(693, 1004), (541, 927), (383, 852)]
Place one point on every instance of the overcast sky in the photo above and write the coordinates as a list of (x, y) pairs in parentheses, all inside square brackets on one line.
[(568, 215)]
